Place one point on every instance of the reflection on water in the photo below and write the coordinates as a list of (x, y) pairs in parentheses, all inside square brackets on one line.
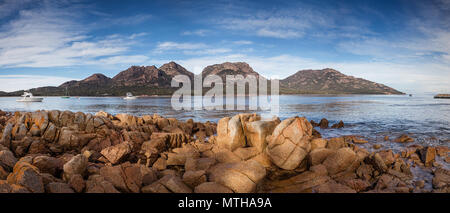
[(373, 116)]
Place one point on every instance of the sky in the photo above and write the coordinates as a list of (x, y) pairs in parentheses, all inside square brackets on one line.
[(404, 44)]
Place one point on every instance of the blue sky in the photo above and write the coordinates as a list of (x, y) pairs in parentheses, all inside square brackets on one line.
[(401, 43)]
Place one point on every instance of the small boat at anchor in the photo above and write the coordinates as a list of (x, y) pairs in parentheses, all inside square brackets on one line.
[(447, 96), (130, 96), (28, 97)]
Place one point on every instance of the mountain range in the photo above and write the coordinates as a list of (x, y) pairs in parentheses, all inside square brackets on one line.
[(150, 80)]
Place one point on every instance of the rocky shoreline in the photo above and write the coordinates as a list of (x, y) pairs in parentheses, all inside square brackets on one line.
[(67, 152)]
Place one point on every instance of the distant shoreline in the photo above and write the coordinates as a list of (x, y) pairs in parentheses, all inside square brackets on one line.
[(163, 96)]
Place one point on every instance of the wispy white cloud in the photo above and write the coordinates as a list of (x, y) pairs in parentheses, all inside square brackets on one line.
[(128, 20), (49, 36), (243, 42), (137, 35), (282, 23), (169, 45), (420, 42), (410, 78), (279, 33), (189, 48), (9, 7), (200, 32), (127, 60), (207, 51), (10, 83)]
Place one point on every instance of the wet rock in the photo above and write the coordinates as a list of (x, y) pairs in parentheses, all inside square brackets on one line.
[(314, 124), (316, 134), (389, 183), (428, 155), (377, 162), (323, 124), (442, 151), (420, 183), (290, 143), (377, 146), (338, 125), (115, 154), (387, 156), (404, 139), (358, 140), (26, 175), (406, 153), (441, 178), (401, 166)]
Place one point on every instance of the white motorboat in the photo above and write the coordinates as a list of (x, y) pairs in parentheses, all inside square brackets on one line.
[(28, 97), (130, 96)]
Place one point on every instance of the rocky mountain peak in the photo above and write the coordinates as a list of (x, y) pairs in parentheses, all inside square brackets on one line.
[(330, 81), (141, 75), (98, 77), (229, 68), (172, 69)]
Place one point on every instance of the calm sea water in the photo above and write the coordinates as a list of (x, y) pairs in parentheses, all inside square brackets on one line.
[(372, 116)]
